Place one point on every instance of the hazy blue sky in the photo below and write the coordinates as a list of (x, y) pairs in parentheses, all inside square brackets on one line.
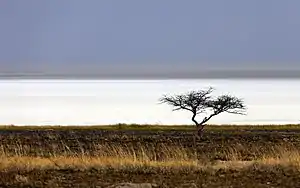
[(96, 35)]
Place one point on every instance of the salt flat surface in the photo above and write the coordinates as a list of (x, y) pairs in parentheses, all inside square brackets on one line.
[(90, 102)]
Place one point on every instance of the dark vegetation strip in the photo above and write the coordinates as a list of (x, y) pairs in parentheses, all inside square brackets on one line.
[(149, 127)]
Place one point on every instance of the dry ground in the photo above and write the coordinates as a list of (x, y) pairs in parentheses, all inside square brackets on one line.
[(248, 156)]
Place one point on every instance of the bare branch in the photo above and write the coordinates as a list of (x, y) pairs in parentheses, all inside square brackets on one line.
[(227, 103), (194, 101), (206, 119), (176, 101)]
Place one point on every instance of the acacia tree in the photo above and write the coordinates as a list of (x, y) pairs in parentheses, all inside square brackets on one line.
[(201, 101)]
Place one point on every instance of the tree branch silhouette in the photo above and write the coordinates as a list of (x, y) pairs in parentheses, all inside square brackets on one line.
[(201, 101)]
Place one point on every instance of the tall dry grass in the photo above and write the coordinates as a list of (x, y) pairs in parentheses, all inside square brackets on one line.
[(164, 157)]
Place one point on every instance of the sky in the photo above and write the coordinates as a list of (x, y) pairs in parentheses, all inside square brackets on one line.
[(159, 36)]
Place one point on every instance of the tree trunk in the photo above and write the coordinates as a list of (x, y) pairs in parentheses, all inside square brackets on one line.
[(200, 129), (198, 133), (199, 126)]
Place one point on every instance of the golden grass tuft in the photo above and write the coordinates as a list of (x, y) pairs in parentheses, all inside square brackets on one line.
[(164, 157), (285, 156)]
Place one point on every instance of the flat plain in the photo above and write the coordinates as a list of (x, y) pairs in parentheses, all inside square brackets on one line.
[(167, 156)]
